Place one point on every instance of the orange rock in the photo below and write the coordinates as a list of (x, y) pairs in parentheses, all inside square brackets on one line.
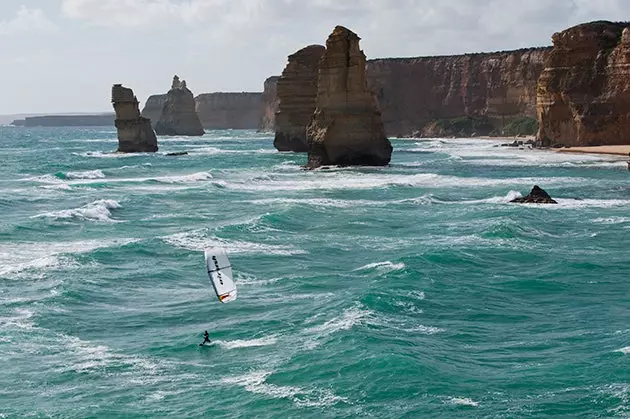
[(346, 128)]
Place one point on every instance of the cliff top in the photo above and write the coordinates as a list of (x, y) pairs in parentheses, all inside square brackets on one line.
[(469, 54)]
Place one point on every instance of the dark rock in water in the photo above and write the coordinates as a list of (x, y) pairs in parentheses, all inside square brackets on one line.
[(178, 153), (536, 196), (531, 142), (134, 131), (179, 116), (558, 145)]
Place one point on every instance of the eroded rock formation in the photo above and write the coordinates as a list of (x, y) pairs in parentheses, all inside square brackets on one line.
[(153, 108), (134, 131), (415, 94), (269, 105), (346, 128), (178, 114), (536, 196), (238, 110), (584, 91), (297, 94)]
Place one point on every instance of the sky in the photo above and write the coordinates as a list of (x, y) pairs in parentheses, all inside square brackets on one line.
[(64, 55)]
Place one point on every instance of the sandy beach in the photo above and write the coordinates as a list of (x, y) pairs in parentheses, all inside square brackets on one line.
[(621, 150)]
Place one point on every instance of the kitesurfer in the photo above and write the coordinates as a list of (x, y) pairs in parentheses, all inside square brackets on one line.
[(206, 338)]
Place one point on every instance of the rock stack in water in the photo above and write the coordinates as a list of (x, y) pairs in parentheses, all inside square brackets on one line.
[(297, 94), (179, 116), (134, 131), (346, 128), (153, 108), (584, 91), (536, 196), (269, 105)]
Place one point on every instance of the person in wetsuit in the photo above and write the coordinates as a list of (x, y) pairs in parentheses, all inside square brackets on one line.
[(206, 338)]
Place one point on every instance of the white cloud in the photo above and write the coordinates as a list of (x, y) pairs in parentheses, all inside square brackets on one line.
[(27, 21)]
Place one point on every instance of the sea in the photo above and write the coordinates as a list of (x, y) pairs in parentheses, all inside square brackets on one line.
[(411, 290)]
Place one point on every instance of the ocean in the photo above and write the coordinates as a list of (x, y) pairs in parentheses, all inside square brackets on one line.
[(413, 290)]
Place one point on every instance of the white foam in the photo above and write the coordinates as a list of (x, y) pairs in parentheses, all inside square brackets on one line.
[(462, 401), (251, 343), (386, 266), (95, 211), (349, 318), (256, 382), (90, 174), (194, 177), (33, 257), (612, 220), (625, 351), (59, 186), (198, 240)]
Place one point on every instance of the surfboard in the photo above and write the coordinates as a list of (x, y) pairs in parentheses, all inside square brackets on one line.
[(220, 273)]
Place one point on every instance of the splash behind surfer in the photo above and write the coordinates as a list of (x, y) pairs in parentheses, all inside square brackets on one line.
[(206, 338)]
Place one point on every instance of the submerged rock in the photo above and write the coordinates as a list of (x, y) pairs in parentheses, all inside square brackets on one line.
[(179, 116), (346, 128), (178, 153), (536, 196), (134, 131)]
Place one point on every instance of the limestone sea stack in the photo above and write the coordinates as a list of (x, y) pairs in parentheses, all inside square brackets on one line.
[(297, 95), (536, 196), (153, 108), (346, 128), (134, 131), (269, 105), (179, 116), (583, 96)]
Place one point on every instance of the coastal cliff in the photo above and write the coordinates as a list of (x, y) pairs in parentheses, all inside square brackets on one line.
[(153, 108), (269, 105), (297, 94), (134, 131), (178, 115), (346, 128), (237, 110), (96, 120), (584, 91), (492, 89)]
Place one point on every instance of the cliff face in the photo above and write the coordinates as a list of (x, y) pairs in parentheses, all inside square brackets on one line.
[(178, 114), (134, 132), (297, 92), (229, 110), (584, 91), (412, 93), (346, 128), (269, 105), (66, 121), (153, 108)]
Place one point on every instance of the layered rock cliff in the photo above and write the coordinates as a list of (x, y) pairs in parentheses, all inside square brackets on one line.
[(584, 91), (416, 93), (178, 114), (269, 105), (346, 128), (229, 110), (134, 131), (297, 92), (153, 108)]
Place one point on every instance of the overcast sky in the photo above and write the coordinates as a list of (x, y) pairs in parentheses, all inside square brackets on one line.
[(64, 55)]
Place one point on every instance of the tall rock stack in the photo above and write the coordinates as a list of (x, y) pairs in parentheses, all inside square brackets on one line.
[(153, 108), (297, 94), (269, 105), (583, 94), (178, 113), (134, 131), (346, 128)]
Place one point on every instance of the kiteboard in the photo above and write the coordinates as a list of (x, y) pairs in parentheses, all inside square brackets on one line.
[(220, 273)]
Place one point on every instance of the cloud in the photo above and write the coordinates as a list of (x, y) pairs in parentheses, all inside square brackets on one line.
[(27, 21)]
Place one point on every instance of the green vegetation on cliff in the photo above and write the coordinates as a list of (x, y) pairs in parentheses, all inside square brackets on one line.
[(521, 126)]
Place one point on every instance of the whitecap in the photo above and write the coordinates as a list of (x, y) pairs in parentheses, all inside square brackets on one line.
[(95, 211), (250, 343), (198, 240), (462, 401), (256, 382), (348, 319), (625, 351), (90, 174), (612, 220), (382, 267)]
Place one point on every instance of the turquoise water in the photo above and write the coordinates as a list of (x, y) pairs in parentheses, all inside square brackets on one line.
[(413, 290)]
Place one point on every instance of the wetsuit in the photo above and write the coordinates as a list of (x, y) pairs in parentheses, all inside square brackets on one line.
[(206, 338)]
